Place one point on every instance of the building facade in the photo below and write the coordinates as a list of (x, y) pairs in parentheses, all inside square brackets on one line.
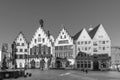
[(64, 50), (83, 43), (115, 57), (41, 49), (101, 46), (21, 51)]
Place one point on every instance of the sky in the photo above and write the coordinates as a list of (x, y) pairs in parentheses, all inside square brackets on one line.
[(24, 15)]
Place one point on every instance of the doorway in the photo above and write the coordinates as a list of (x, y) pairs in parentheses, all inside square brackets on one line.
[(58, 64), (32, 64), (95, 65)]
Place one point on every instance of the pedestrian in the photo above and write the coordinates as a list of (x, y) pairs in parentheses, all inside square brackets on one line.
[(86, 71)]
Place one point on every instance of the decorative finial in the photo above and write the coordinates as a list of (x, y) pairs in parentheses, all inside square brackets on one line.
[(41, 22)]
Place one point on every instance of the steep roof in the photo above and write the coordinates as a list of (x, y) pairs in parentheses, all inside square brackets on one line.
[(22, 35), (65, 31), (93, 32), (75, 37)]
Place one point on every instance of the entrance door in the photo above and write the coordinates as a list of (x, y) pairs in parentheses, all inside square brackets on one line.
[(58, 64), (96, 65), (32, 64)]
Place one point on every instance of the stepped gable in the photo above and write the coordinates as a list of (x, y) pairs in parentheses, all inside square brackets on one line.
[(76, 36), (93, 32), (22, 35), (65, 31)]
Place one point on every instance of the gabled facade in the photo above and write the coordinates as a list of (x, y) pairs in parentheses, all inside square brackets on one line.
[(64, 48), (101, 40), (41, 48), (101, 48), (83, 42), (21, 50)]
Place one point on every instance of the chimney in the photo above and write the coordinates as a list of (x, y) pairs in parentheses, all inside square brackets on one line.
[(90, 28)]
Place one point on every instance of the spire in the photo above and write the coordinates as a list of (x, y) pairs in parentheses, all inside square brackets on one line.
[(41, 22)]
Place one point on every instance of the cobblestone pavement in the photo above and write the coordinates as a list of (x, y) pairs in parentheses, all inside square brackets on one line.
[(71, 75)]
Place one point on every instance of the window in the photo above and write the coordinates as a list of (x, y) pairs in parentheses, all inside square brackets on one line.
[(25, 50), (89, 42), (22, 44), (103, 48), (30, 51), (20, 39), (95, 43), (63, 42), (85, 42), (21, 56), (18, 44), (43, 40), (107, 41), (39, 35), (35, 40), (78, 42), (60, 47), (89, 64), (94, 49), (21, 50), (16, 50), (56, 47), (64, 36), (89, 48), (39, 39), (103, 42), (78, 49), (85, 48), (81, 42), (65, 47), (85, 64), (61, 37)]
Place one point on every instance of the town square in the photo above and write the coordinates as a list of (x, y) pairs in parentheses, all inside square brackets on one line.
[(59, 40)]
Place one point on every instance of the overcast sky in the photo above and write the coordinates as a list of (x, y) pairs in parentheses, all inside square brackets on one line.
[(24, 15)]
